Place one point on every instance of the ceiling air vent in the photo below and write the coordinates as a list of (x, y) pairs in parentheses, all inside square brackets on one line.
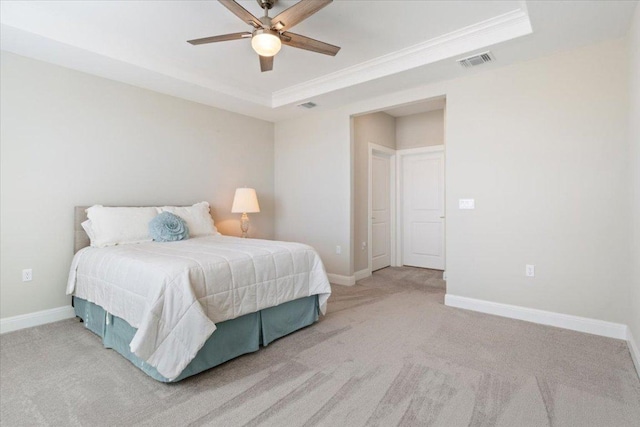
[(308, 105), (479, 59)]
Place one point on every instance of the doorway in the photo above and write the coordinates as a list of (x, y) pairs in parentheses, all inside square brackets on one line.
[(385, 142)]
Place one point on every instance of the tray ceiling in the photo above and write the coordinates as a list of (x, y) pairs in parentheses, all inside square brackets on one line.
[(144, 43)]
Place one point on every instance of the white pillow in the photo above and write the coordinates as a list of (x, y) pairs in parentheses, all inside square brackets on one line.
[(119, 226), (197, 217), (86, 225)]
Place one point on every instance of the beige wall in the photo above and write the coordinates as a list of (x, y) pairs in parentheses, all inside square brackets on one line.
[(313, 186), (70, 139), (420, 130), (634, 139), (541, 146), (380, 129)]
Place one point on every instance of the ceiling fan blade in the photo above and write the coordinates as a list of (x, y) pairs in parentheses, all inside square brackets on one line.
[(222, 38), (241, 13), (266, 63), (302, 42), (297, 13)]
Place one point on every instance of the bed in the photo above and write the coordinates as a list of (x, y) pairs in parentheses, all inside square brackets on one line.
[(176, 309)]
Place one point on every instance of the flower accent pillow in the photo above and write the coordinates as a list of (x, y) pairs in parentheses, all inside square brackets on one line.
[(167, 227), (197, 217)]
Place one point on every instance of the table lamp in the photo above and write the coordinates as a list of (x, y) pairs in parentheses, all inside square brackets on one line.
[(245, 201)]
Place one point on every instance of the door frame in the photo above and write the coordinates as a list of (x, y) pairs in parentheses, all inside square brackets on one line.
[(400, 154), (393, 162)]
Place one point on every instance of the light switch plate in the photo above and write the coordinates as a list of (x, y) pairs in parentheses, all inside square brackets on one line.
[(467, 203)]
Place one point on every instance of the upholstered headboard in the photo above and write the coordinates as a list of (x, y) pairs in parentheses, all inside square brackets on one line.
[(80, 238)]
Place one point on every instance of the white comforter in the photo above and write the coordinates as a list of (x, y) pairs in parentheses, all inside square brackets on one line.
[(175, 292)]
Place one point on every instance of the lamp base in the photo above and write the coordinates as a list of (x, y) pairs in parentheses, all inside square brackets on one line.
[(244, 225)]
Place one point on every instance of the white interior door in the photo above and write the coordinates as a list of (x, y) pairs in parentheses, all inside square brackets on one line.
[(423, 210), (380, 211)]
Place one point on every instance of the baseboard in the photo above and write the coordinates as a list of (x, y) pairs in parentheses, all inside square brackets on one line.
[(338, 279), (634, 350), (362, 274), (566, 321), (10, 324)]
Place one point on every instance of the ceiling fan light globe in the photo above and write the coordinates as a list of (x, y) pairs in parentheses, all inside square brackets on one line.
[(266, 42)]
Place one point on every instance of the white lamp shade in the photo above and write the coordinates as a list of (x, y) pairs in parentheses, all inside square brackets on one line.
[(266, 42), (245, 201)]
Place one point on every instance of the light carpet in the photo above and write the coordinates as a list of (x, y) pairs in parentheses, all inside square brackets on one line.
[(387, 353)]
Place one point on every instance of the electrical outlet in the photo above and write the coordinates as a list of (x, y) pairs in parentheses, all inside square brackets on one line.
[(530, 270), (364, 246), (27, 275), (338, 250), (466, 204)]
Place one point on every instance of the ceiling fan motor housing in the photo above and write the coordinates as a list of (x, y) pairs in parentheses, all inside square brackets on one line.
[(266, 4)]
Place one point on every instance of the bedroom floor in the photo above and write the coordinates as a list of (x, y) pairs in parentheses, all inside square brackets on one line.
[(387, 353)]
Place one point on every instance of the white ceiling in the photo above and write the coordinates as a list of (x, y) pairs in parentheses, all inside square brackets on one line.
[(386, 45)]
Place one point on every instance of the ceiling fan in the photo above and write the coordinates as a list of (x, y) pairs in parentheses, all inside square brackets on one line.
[(270, 34)]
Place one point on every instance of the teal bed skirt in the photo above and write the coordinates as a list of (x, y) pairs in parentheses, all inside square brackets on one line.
[(231, 339)]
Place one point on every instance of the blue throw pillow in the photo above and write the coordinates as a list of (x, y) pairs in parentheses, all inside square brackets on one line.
[(167, 227)]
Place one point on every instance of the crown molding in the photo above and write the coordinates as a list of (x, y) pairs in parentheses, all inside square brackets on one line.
[(173, 80), (477, 36)]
